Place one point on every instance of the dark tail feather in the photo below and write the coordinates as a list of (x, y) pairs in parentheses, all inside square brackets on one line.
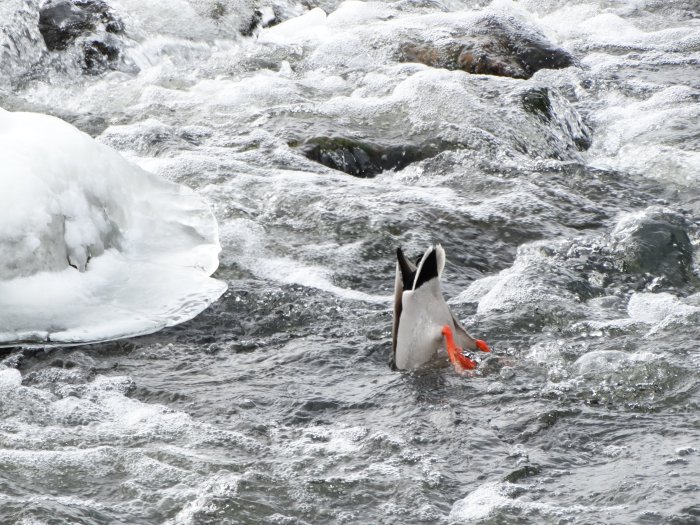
[(428, 270), (408, 273)]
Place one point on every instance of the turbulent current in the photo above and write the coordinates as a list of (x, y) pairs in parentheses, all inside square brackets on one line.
[(552, 147)]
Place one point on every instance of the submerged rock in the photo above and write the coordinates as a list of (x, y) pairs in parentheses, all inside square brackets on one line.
[(364, 159), (537, 101), (99, 55), (90, 24), (654, 241), (492, 46), (556, 112)]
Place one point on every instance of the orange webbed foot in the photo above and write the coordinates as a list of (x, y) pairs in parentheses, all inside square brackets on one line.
[(481, 345), (457, 358)]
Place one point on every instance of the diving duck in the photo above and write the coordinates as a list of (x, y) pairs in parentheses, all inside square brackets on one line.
[(423, 322)]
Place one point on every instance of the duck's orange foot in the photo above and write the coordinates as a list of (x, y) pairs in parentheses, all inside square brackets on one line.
[(457, 358), (481, 345)]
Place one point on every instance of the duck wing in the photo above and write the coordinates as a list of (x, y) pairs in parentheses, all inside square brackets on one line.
[(405, 276)]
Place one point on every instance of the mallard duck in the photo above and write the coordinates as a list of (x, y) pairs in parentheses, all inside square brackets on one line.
[(423, 322)]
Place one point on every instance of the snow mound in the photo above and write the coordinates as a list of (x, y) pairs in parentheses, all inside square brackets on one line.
[(92, 247)]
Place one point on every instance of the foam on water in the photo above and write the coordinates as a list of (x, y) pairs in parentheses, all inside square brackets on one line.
[(534, 286), (224, 486), (20, 39), (647, 137), (310, 25), (655, 308), (252, 255), (482, 503), (72, 431), (643, 126), (499, 500)]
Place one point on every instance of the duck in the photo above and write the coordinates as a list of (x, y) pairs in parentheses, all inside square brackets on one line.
[(423, 322)]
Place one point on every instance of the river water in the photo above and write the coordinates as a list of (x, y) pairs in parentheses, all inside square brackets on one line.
[(567, 204)]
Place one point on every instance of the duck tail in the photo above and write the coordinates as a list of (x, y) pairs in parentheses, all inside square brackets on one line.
[(430, 266)]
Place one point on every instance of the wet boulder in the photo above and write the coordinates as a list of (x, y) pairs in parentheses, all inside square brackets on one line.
[(90, 25), (491, 46), (100, 55), (538, 102), (552, 109), (63, 21), (364, 159), (654, 241)]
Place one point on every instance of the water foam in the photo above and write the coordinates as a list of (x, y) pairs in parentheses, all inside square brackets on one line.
[(249, 238)]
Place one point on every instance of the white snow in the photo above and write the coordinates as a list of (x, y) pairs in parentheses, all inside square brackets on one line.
[(93, 247)]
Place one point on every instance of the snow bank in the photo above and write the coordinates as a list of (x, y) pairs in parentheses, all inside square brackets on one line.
[(92, 247)]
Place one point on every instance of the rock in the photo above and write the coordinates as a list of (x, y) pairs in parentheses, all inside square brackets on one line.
[(265, 17), (554, 110), (61, 23), (362, 159), (102, 12), (492, 46), (521, 473), (100, 55), (92, 23), (654, 241), (537, 102)]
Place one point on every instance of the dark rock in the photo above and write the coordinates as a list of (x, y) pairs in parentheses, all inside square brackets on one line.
[(654, 241), (552, 109), (583, 142), (252, 25), (537, 102), (99, 55), (493, 46), (362, 159), (61, 23), (90, 23), (260, 19), (521, 473), (103, 14)]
